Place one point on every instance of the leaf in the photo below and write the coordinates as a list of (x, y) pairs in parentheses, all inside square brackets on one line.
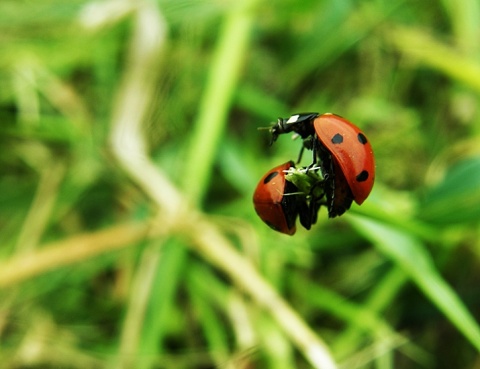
[(457, 198), (409, 253)]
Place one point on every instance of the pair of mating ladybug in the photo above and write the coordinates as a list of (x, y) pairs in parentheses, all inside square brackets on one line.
[(342, 171)]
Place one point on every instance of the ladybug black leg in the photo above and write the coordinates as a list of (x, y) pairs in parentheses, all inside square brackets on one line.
[(310, 143), (316, 196), (308, 210), (307, 144), (304, 213), (314, 209), (309, 213), (300, 155), (315, 149)]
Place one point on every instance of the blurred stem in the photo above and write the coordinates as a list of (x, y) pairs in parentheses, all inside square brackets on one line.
[(213, 326), (223, 78), (464, 16), (69, 251), (40, 211), (141, 285), (429, 51), (135, 94), (167, 272)]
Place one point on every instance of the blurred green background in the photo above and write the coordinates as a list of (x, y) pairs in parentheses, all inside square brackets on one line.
[(130, 153)]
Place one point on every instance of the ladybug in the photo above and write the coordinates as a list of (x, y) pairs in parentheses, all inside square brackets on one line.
[(344, 151), (278, 201)]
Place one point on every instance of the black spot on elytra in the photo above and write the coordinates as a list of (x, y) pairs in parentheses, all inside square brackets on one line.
[(362, 177), (361, 138), (337, 139), (270, 177)]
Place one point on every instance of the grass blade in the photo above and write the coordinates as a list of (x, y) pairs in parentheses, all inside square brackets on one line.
[(410, 254)]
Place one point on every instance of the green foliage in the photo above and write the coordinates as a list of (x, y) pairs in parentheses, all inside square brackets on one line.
[(453, 200), (391, 284)]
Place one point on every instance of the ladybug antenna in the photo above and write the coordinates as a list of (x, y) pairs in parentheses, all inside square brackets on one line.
[(273, 137), (273, 130)]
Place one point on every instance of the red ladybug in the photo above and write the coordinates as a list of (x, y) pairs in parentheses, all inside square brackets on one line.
[(344, 151), (278, 202)]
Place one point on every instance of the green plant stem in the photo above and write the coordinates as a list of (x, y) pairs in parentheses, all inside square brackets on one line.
[(444, 58), (212, 116)]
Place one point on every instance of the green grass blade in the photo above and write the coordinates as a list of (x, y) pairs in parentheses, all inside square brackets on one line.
[(215, 103), (409, 253), (162, 298), (427, 50), (379, 299), (456, 199)]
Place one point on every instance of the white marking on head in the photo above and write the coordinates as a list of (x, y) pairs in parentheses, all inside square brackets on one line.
[(293, 119)]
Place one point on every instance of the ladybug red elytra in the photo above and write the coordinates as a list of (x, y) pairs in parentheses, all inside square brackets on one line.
[(344, 152), (278, 201)]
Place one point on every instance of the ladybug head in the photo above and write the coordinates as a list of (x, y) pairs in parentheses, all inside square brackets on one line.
[(279, 128)]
